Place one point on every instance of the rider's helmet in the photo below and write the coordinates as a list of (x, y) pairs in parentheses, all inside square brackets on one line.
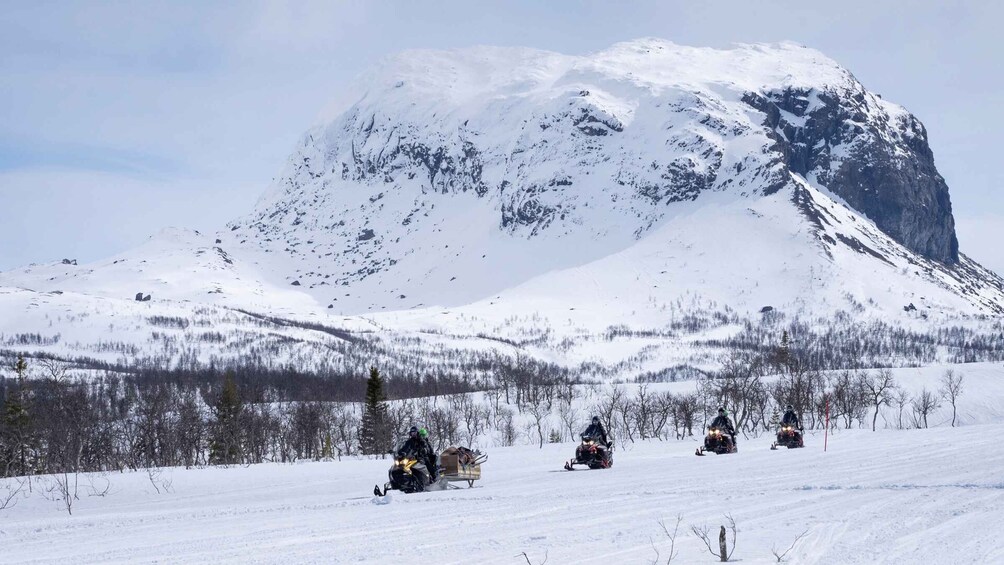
[(413, 431), (788, 408), (721, 410), (596, 419), (423, 433)]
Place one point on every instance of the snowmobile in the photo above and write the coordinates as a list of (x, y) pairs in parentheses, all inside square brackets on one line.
[(408, 475), (717, 441), (456, 464), (593, 454), (788, 436)]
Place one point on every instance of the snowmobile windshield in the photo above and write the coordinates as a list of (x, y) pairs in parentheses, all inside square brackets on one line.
[(591, 437), (408, 451)]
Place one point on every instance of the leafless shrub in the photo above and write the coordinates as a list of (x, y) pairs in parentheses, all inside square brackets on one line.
[(11, 489), (475, 417), (539, 411), (98, 486), (443, 425), (54, 370), (160, 484), (878, 389), (951, 388), (64, 489), (724, 554), (644, 409), (507, 428), (848, 399), (528, 562), (672, 540), (569, 416), (923, 404), (686, 407), (902, 398), (345, 424), (780, 556), (608, 406)]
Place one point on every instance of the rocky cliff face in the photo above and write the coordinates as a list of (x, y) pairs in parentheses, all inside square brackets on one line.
[(870, 153)]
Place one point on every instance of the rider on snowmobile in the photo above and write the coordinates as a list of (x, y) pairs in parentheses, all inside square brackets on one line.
[(790, 418), (722, 422), (597, 430), (418, 445)]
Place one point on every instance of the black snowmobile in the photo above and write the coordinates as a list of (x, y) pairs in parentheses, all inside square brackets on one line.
[(593, 454), (788, 436), (718, 442), (407, 474)]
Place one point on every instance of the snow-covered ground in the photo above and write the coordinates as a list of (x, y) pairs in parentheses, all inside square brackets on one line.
[(921, 496), (891, 496)]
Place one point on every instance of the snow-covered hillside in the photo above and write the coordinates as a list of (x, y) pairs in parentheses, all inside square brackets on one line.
[(514, 193)]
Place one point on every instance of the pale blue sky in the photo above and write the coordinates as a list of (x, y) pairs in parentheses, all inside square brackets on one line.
[(117, 119)]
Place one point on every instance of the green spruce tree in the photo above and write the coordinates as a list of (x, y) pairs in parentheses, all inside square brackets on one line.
[(784, 351), (225, 447), (374, 434), (18, 434)]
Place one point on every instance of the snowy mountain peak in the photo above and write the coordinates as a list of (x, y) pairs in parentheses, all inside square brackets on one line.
[(464, 160), (461, 190)]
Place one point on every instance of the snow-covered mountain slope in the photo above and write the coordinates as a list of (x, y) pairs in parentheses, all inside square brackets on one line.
[(457, 191), (176, 264), (816, 256)]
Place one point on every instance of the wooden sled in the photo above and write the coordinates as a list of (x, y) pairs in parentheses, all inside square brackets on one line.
[(460, 465)]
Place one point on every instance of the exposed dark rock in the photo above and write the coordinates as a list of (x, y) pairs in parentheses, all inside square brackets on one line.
[(139, 297), (69, 261), (591, 122), (366, 235), (223, 255), (886, 168), (855, 244), (295, 283)]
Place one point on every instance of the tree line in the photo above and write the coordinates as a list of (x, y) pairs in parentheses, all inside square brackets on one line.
[(54, 423)]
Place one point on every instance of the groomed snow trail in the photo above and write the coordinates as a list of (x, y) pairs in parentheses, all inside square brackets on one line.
[(919, 496)]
